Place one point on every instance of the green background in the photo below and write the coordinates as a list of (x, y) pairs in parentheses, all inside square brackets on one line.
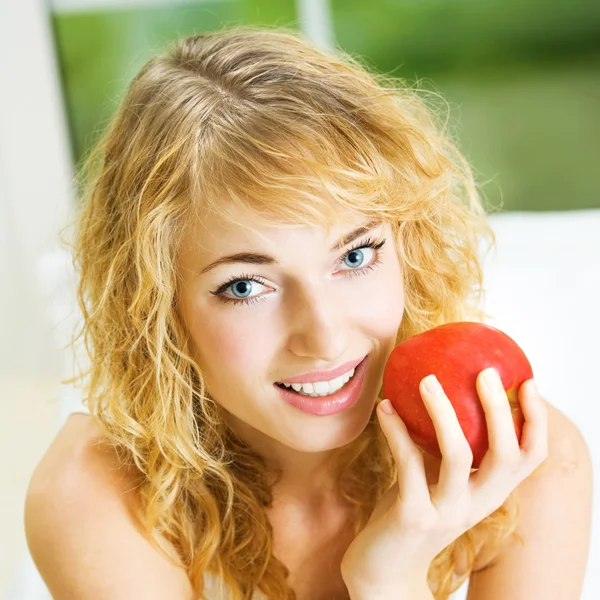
[(522, 79)]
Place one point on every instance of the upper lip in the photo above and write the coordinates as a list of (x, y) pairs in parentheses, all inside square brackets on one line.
[(324, 375)]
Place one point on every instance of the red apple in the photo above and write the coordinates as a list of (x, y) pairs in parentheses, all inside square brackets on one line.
[(455, 353)]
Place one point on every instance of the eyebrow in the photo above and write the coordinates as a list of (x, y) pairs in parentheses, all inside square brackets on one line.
[(265, 259)]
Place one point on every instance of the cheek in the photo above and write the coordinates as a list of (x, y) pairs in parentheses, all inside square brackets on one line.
[(228, 343), (382, 306)]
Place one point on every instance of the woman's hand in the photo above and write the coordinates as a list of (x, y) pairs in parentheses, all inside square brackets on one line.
[(415, 521)]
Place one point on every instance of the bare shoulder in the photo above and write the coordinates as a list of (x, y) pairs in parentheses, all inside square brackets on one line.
[(555, 515), (77, 457), (81, 527)]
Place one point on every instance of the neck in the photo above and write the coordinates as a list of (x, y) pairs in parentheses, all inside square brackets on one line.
[(299, 477)]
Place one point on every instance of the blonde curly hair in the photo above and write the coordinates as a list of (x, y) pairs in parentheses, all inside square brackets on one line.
[(257, 118)]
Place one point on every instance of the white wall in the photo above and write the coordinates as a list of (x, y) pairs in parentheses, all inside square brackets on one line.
[(35, 180)]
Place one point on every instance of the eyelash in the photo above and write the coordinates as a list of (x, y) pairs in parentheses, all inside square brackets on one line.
[(369, 243)]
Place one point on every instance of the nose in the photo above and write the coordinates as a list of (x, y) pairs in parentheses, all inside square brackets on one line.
[(318, 326)]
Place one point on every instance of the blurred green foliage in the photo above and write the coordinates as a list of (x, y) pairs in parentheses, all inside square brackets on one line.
[(423, 37), (531, 132), (522, 77)]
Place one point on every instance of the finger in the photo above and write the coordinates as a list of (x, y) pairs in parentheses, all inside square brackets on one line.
[(457, 456), (502, 438), (412, 481), (534, 435), (504, 454)]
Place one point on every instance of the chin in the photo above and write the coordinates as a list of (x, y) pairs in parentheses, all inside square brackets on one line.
[(330, 436)]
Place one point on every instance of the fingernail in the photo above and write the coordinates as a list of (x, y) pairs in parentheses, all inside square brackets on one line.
[(386, 407), (491, 379), (431, 383), (533, 388)]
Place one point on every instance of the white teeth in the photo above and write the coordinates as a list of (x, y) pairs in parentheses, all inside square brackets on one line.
[(298, 386), (321, 388)]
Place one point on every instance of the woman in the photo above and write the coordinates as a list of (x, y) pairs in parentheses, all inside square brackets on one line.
[(266, 223)]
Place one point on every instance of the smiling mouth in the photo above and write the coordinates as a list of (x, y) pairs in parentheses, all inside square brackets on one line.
[(315, 394), (322, 391)]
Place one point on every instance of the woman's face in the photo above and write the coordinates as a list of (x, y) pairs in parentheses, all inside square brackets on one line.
[(313, 306)]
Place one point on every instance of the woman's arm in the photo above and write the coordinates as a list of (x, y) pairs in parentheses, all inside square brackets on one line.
[(555, 508), (412, 590), (80, 529)]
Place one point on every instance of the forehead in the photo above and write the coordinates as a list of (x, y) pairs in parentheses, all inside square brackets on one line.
[(245, 228)]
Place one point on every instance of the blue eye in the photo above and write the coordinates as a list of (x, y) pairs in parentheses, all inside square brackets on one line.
[(356, 257), (241, 286)]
